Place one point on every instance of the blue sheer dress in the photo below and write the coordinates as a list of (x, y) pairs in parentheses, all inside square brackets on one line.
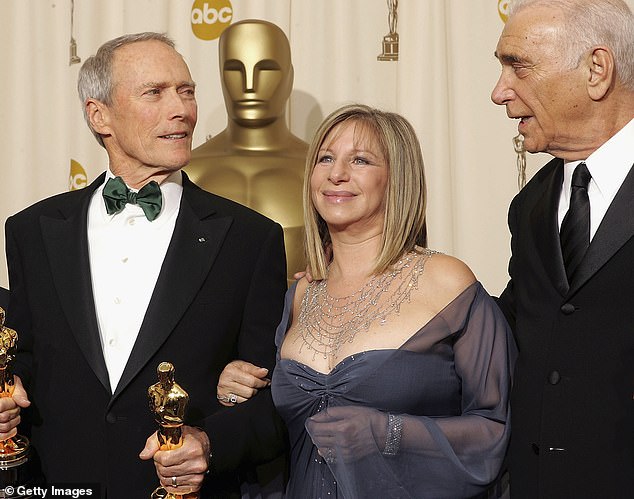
[(449, 383)]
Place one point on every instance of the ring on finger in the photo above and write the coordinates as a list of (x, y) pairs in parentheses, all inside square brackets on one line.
[(232, 398), (174, 482)]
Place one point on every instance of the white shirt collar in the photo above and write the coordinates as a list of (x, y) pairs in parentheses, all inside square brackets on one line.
[(608, 165)]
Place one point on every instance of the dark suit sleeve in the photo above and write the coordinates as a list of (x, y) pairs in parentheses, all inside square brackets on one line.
[(506, 301), (18, 316), (252, 432), (4, 298)]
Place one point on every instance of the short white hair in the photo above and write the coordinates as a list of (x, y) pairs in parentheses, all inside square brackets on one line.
[(592, 23)]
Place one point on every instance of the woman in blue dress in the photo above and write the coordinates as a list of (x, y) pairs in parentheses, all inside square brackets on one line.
[(394, 364)]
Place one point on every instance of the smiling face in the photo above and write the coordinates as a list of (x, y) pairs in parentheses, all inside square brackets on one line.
[(148, 126), (257, 75), (349, 180), (551, 103)]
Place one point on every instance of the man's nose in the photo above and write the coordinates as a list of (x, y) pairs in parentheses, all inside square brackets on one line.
[(501, 93)]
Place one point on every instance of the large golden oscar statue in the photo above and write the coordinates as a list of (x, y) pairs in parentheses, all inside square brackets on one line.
[(256, 160)]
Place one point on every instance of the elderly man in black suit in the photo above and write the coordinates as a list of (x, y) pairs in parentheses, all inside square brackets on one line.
[(141, 267), (568, 77)]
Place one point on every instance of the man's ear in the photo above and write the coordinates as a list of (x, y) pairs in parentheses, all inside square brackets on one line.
[(602, 73), (98, 116)]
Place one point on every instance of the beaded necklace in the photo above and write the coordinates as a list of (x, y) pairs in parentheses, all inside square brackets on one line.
[(326, 322)]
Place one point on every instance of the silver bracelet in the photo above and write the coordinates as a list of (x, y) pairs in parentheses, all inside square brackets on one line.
[(394, 432)]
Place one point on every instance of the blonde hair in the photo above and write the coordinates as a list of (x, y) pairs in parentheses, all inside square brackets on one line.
[(405, 200)]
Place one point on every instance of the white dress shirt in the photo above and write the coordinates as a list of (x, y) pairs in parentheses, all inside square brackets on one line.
[(126, 254), (608, 165)]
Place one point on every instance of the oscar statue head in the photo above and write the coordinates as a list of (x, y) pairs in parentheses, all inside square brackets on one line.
[(256, 70)]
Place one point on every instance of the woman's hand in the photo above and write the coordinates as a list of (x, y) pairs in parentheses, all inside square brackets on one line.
[(348, 432), (239, 381)]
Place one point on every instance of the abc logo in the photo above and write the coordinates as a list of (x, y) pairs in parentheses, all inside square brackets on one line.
[(503, 9), (78, 178), (210, 18)]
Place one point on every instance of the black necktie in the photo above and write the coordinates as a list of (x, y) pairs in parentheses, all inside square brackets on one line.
[(575, 227), (116, 194)]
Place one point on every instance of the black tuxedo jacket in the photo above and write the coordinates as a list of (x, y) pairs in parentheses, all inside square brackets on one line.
[(4, 298), (572, 405), (218, 297)]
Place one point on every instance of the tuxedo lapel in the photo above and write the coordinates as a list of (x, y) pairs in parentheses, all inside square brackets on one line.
[(543, 220), (66, 242), (616, 228), (196, 241)]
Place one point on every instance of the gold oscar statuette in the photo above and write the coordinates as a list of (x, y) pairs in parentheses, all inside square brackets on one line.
[(168, 402), (14, 451), (390, 41)]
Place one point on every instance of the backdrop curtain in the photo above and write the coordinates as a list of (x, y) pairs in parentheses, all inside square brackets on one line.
[(441, 83)]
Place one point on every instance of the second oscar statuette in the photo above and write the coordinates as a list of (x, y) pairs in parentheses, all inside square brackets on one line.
[(14, 451), (168, 402)]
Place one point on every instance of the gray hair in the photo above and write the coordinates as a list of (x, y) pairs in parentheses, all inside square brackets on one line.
[(591, 23), (95, 75)]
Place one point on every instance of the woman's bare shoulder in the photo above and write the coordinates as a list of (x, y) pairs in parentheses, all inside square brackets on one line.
[(445, 277)]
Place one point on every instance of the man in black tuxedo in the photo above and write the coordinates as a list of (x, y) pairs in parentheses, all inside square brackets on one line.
[(108, 282), (568, 76)]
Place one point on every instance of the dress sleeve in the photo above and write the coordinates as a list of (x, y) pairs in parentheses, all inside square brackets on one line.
[(285, 322), (373, 453)]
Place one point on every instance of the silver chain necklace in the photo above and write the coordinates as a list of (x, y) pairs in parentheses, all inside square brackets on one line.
[(326, 322)]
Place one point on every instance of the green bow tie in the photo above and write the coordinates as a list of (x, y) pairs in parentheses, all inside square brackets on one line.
[(116, 194)]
